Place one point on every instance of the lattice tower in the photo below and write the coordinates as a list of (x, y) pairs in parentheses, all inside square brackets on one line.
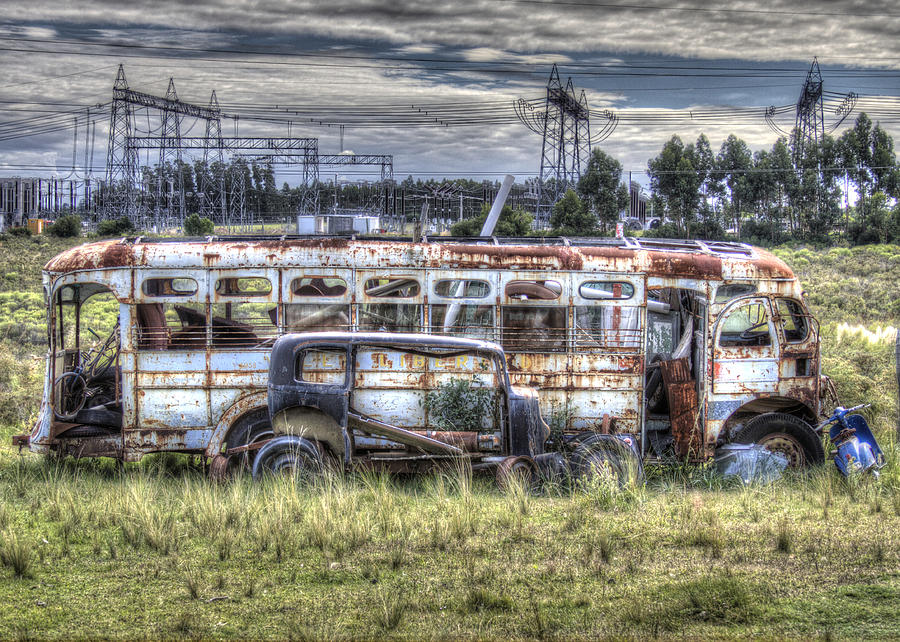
[(121, 160)]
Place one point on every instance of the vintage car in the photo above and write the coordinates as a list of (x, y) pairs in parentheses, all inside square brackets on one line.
[(366, 399)]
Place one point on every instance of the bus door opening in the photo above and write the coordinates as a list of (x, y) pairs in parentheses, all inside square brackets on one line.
[(87, 390), (675, 320)]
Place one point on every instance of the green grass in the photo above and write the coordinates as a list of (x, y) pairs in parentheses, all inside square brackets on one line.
[(138, 552)]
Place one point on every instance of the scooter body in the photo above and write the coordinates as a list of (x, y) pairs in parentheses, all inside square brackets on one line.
[(857, 449)]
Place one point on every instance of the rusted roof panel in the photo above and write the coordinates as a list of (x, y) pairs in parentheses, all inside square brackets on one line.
[(684, 259)]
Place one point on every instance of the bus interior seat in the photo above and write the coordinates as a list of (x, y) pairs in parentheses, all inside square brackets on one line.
[(228, 332), (154, 331)]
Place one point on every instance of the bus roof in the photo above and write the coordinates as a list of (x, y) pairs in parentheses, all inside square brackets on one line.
[(713, 260)]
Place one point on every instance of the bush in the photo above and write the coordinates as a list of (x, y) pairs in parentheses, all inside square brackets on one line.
[(68, 226), (194, 225), (115, 227), (458, 405), (19, 231)]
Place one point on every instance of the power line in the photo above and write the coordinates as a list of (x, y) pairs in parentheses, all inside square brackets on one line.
[(650, 7)]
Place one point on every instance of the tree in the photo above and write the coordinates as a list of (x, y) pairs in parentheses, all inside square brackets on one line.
[(194, 225), (733, 162), (674, 179), (510, 223), (570, 217), (601, 189), (866, 154)]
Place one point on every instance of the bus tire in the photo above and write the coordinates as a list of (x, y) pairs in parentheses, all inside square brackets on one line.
[(252, 427), (288, 455), (786, 434)]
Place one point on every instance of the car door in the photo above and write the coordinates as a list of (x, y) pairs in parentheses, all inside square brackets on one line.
[(746, 350)]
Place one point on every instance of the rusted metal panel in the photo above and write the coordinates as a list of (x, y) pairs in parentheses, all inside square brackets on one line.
[(337, 252), (681, 391)]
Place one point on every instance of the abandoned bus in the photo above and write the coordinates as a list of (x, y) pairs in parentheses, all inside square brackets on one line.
[(164, 344)]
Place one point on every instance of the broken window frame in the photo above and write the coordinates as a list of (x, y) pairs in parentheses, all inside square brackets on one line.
[(527, 335), (334, 310), (366, 316), (230, 329), (594, 338), (466, 308)]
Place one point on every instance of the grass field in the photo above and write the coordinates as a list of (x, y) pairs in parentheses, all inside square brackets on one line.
[(152, 550)]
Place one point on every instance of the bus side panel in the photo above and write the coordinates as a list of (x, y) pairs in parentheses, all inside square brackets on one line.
[(606, 384), (172, 390)]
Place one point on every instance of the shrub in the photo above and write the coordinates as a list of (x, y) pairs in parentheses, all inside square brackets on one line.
[(68, 226), (458, 405), (19, 231), (115, 227), (195, 225)]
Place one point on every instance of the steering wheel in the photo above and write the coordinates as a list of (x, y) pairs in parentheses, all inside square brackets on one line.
[(753, 332), (97, 361)]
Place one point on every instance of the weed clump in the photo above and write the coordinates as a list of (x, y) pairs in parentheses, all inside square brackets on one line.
[(16, 553)]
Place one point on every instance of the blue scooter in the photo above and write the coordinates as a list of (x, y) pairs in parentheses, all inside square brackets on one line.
[(857, 450)]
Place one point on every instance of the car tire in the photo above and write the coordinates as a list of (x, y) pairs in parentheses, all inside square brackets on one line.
[(288, 455)]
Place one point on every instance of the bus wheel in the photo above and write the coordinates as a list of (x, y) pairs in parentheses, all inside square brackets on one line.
[(516, 470), (251, 428), (604, 459), (785, 434), (288, 455)]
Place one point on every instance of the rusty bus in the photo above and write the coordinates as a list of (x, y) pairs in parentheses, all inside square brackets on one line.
[(686, 344)]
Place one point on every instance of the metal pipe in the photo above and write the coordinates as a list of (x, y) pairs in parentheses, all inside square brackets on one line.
[(486, 230)]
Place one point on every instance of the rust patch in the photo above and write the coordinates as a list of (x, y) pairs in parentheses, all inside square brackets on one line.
[(693, 265), (498, 256), (683, 407), (94, 256), (771, 266)]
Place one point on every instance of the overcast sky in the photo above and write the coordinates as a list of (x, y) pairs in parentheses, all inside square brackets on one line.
[(636, 58)]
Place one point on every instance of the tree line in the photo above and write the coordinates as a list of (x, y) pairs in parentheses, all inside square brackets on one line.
[(793, 190)]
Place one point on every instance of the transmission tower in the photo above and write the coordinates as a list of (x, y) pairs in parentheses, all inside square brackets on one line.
[(209, 207), (810, 122), (121, 161), (170, 157), (565, 127)]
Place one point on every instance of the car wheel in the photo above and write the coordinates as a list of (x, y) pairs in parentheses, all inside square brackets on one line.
[(785, 434), (288, 455)]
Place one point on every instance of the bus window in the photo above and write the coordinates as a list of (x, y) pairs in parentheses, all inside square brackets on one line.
[(793, 320), (324, 316), (459, 289), (243, 286), (533, 328), (606, 290), (391, 316), (746, 325), (729, 291), (318, 286), (169, 287), (533, 290), (465, 319), (171, 326), (600, 326), (243, 322)]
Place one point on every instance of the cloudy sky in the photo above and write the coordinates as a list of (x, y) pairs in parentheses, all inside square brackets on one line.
[(434, 83)]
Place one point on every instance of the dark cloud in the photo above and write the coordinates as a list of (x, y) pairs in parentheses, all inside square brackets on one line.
[(485, 50)]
